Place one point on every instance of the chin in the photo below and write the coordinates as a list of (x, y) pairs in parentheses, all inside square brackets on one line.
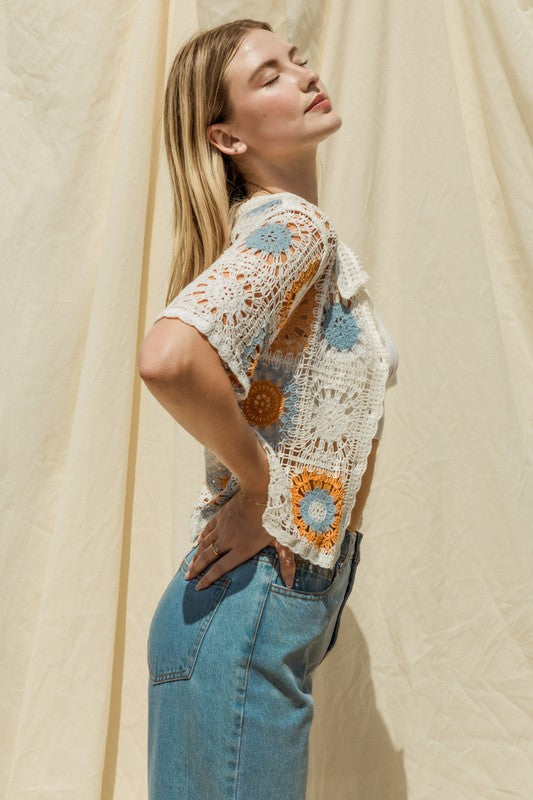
[(334, 122), (339, 119)]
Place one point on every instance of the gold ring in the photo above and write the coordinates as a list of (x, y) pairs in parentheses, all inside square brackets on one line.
[(215, 548)]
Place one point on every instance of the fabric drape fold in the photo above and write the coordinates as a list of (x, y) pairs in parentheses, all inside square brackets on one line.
[(429, 181)]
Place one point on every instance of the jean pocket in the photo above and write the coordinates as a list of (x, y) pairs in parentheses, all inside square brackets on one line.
[(311, 582), (179, 625)]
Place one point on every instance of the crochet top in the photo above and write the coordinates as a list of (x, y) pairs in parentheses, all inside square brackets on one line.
[(309, 361)]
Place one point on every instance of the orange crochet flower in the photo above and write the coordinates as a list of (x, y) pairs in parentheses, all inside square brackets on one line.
[(263, 404), (317, 501)]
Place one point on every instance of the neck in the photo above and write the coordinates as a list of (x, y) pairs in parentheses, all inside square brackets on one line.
[(297, 176)]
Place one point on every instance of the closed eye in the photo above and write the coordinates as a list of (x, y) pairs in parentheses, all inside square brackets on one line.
[(269, 83)]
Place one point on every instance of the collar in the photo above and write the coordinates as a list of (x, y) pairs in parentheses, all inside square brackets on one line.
[(350, 272)]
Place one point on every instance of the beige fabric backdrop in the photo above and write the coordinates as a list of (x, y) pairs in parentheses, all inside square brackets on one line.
[(428, 693)]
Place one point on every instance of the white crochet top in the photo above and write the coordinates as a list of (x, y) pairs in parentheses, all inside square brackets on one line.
[(309, 360)]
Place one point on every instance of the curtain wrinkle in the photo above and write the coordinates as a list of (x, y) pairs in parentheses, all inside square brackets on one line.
[(487, 133), (109, 771), (78, 609), (428, 181)]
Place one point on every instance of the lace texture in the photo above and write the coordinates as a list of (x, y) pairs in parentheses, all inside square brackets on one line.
[(309, 361)]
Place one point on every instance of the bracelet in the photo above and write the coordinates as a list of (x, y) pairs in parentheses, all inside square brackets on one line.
[(245, 497)]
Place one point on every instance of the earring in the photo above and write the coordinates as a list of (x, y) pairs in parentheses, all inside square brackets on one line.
[(235, 149)]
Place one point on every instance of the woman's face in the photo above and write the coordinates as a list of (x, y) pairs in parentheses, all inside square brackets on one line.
[(270, 102)]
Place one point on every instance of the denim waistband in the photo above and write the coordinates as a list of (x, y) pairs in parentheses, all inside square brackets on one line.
[(272, 554)]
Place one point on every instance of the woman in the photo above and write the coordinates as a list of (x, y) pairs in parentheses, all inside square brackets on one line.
[(270, 353)]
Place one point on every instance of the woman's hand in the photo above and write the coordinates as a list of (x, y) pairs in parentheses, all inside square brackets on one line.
[(237, 532)]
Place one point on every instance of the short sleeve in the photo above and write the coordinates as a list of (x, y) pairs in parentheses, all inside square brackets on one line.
[(241, 302), (392, 378)]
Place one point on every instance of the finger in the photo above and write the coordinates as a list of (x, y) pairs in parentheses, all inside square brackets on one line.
[(209, 528), (201, 548), (202, 557), (203, 543), (287, 566), (222, 565), (195, 549), (207, 535)]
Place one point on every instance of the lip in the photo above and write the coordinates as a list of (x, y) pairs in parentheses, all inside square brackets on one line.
[(319, 98)]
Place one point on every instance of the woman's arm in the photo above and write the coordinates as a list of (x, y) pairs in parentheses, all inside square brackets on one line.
[(364, 489), (184, 373)]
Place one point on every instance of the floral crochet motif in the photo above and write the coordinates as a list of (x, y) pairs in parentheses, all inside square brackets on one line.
[(271, 402), (308, 360), (340, 328), (317, 502), (270, 238)]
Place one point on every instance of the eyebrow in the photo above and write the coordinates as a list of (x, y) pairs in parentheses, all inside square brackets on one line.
[(270, 63)]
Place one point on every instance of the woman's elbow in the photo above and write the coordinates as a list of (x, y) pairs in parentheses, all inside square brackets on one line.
[(149, 365), (160, 355)]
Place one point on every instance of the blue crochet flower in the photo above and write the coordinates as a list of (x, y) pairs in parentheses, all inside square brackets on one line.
[(262, 207), (340, 328), (288, 387), (270, 238), (317, 508)]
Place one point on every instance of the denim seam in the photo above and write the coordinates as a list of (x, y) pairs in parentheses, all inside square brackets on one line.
[(290, 592), (239, 744), (186, 672)]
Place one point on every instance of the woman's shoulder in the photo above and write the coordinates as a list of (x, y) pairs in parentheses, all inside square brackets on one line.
[(259, 209)]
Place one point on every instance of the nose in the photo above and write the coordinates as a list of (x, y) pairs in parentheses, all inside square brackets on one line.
[(306, 76), (311, 76)]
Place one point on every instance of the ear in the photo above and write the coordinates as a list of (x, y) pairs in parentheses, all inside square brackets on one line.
[(221, 137)]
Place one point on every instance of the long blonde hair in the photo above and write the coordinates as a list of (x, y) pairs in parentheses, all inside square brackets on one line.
[(207, 186)]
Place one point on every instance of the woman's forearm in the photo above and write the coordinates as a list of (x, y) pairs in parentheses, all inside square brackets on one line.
[(186, 376), (199, 395)]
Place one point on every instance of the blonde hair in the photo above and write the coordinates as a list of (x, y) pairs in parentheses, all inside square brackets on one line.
[(207, 186)]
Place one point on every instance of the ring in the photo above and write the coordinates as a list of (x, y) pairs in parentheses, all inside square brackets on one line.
[(215, 548)]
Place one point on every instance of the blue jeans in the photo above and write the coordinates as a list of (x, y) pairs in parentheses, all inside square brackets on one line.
[(230, 677)]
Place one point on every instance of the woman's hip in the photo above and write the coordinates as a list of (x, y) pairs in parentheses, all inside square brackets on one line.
[(230, 677), (250, 609)]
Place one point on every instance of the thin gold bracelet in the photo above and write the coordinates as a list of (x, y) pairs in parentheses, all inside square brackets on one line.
[(245, 497)]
